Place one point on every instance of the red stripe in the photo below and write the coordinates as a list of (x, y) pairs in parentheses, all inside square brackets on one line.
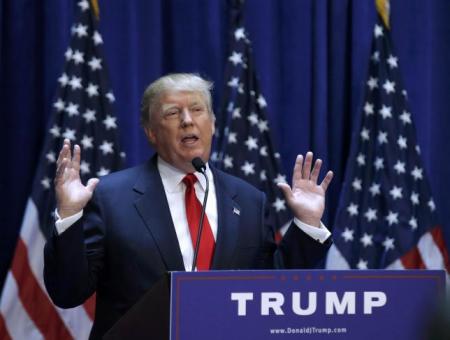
[(413, 260), (438, 238), (89, 306), (36, 303), (4, 334)]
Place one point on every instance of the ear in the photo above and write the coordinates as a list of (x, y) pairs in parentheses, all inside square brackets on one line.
[(151, 136), (213, 122)]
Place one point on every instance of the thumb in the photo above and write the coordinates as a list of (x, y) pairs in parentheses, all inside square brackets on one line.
[(286, 189), (91, 184)]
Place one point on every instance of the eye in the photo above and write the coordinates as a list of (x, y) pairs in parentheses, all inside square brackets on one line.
[(171, 113)]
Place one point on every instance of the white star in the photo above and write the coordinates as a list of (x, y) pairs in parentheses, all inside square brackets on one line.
[(418, 149), (253, 118), (262, 175), (236, 113), (248, 168), (401, 141), (89, 116), (92, 90), (78, 57), (396, 192), (97, 38), (375, 189), (75, 83), (87, 142), (382, 137), (110, 122), (214, 156), (239, 34), (261, 101), (252, 143), (386, 112), (59, 105), (378, 31), (366, 240), (69, 134), (431, 205), (80, 30), (392, 61), (68, 54), (263, 126), (362, 264), (413, 223), (352, 209), (110, 97), (45, 182), (368, 109), (356, 184), (347, 234), (95, 64), (84, 167), (389, 86), (365, 134), (263, 151), (405, 117), (371, 214), (84, 5), (372, 83), (122, 155), (400, 167), (361, 159), (392, 218), (379, 163), (234, 82), (414, 198), (280, 179), (63, 80), (417, 173), (51, 157), (236, 58), (276, 155), (228, 161), (102, 172), (279, 204), (55, 131), (375, 57), (232, 137), (388, 243), (106, 147), (72, 109)]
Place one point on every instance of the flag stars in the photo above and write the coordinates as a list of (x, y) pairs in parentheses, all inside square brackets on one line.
[(248, 168), (279, 204), (110, 97), (372, 83), (385, 112), (46, 182), (55, 131), (362, 264), (83, 4), (417, 173), (357, 184), (59, 105), (378, 31), (263, 126), (87, 142), (347, 234), (396, 192), (414, 198), (352, 209), (92, 90), (236, 113), (431, 205), (399, 167), (382, 137), (366, 240), (69, 134), (239, 34), (375, 189), (232, 137), (263, 151), (263, 175), (97, 38), (375, 57), (261, 101), (371, 214), (236, 58), (68, 54), (368, 109), (51, 157), (392, 218), (405, 117), (234, 82), (75, 83), (110, 122), (253, 118), (280, 179), (389, 86), (102, 172), (361, 159), (401, 141), (63, 80), (392, 61), (80, 30), (365, 134), (72, 109), (388, 243), (106, 147), (78, 57), (95, 64), (413, 223), (84, 167), (379, 163), (252, 143), (228, 162), (89, 116)]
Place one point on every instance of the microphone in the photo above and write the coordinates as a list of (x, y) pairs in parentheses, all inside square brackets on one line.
[(200, 166)]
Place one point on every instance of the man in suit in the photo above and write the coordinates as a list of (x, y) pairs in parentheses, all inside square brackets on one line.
[(118, 236)]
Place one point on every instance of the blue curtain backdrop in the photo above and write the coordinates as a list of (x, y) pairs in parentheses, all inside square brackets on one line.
[(311, 57)]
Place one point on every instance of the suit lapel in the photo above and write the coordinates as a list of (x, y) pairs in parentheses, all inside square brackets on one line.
[(228, 222), (154, 210)]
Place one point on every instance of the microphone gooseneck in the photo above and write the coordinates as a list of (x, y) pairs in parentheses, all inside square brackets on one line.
[(200, 166)]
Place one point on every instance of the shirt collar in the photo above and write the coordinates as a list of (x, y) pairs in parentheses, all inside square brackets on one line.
[(172, 177)]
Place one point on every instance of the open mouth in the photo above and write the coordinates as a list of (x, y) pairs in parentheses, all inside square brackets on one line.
[(189, 139)]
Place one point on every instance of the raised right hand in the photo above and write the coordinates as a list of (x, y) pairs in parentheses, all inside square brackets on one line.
[(71, 195)]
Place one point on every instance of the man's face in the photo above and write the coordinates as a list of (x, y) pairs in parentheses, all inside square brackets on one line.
[(181, 129)]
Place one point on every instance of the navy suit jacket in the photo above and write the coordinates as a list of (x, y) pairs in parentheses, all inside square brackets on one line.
[(126, 241)]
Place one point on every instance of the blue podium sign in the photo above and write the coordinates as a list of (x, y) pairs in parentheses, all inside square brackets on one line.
[(313, 304)]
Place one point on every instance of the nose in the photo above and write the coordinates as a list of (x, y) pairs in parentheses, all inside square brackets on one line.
[(186, 117)]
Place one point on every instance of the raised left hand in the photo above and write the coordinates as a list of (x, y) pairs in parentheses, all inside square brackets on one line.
[(306, 198)]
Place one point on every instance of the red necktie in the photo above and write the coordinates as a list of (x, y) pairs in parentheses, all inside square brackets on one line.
[(193, 212)]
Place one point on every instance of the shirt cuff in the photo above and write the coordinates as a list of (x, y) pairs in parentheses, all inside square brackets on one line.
[(320, 234), (62, 224)]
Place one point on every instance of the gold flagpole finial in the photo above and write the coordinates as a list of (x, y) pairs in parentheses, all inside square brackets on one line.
[(94, 4), (383, 8)]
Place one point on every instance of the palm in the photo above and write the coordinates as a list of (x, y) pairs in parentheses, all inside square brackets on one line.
[(308, 198)]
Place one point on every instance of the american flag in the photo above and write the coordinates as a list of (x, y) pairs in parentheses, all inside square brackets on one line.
[(386, 217), (244, 146), (83, 114)]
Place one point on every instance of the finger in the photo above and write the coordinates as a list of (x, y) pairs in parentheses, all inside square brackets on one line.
[(76, 158), (91, 184), (286, 189), (297, 174), (64, 151), (316, 170), (60, 170), (326, 181), (307, 165)]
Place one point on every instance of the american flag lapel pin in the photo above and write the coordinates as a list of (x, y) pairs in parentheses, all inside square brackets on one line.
[(236, 211)]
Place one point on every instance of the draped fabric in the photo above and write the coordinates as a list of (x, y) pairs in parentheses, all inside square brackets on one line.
[(311, 57)]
